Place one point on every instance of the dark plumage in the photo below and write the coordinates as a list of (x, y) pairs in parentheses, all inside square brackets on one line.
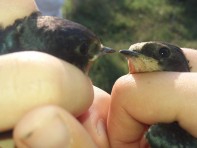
[(159, 56), (62, 38)]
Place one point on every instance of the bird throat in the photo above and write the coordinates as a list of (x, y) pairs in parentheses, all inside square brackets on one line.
[(143, 64)]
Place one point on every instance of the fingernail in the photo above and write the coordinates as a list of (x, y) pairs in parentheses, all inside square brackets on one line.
[(101, 129), (52, 133)]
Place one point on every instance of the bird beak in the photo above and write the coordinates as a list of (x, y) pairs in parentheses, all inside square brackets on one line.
[(105, 50), (129, 53)]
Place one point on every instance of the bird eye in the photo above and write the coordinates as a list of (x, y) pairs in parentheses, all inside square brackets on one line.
[(164, 52), (83, 49)]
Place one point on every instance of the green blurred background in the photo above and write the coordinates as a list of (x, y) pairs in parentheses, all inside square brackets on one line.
[(120, 23)]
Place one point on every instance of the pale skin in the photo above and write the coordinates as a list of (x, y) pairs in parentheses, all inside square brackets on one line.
[(131, 109), (27, 7)]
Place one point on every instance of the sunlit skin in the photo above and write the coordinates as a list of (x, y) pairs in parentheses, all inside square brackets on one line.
[(16, 9)]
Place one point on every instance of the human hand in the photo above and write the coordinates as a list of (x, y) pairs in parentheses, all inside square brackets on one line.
[(134, 114), (47, 80), (51, 126), (57, 128), (140, 100)]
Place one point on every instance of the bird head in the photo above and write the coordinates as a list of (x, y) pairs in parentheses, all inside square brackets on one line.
[(88, 52), (155, 56), (84, 46)]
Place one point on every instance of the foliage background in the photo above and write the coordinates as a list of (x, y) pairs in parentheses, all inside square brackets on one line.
[(120, 23)]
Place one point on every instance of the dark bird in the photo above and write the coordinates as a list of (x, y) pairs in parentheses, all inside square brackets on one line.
[(59, 37), (159, 56)]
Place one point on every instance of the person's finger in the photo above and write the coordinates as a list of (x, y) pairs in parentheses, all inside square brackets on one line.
[(144, 99), (140, 100), (191, 55), (51, 127), (30, 79), (95, 119), (12, 10)]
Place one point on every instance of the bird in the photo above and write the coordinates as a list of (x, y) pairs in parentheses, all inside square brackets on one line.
[(161, 56), (62, 38)]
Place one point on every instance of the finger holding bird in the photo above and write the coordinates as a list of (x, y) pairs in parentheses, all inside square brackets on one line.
[(149, 98), (12, 10)]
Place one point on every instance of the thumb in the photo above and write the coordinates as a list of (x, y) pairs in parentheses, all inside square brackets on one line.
[(51, 127)]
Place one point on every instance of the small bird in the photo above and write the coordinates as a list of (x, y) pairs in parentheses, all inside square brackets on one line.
[(159, 56), (59, 37)]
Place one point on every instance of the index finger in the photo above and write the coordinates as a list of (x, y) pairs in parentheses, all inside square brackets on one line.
[(31, 79), (12, 10)]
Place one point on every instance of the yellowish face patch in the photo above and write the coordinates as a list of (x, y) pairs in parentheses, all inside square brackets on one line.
[(143, 64)]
